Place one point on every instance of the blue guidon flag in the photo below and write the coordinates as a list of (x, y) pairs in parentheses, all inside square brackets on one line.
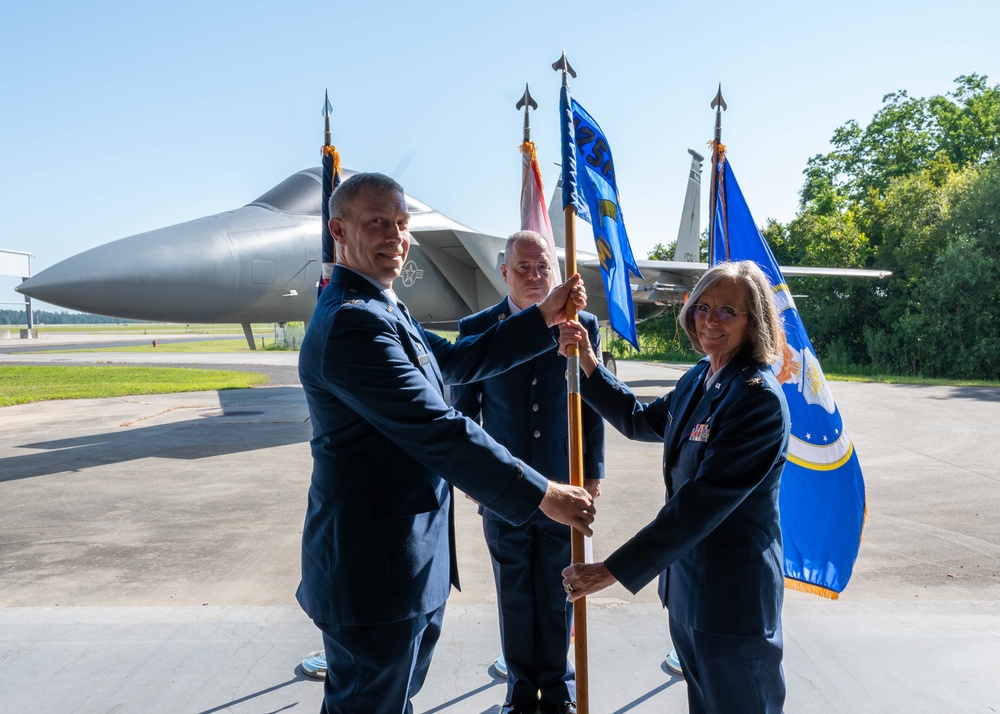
[(589, 171), (822, 497)]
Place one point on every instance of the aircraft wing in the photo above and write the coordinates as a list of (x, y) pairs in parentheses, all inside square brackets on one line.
[(666, 282), (803, 272)]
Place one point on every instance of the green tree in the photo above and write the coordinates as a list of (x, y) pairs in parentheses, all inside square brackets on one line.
[(907, 135), (968, 121), (953, 329), (915, 191)]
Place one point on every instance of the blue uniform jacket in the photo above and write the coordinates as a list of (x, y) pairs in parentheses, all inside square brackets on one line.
[(717, 537), (378, 540), (525, 408)]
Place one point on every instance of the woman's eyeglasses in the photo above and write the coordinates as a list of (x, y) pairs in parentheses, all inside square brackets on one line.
[(722, 314)]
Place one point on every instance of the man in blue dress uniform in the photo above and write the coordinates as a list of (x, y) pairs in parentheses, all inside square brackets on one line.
[(378, 558), (525, 410)]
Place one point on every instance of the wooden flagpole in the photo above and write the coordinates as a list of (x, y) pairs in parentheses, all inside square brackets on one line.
[(574, 411)]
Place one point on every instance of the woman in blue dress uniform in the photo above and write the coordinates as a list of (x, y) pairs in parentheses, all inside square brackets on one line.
[(716, 543)]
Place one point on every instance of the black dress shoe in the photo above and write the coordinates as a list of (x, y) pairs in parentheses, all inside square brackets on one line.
[(518, 709), (564, 708)]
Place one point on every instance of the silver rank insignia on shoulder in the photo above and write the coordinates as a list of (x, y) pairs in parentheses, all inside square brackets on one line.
[(700, 433), (353, 302), (755, 382)]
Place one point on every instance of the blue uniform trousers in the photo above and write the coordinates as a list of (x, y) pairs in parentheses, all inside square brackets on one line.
[(730, 674), (389, 673), (535, 617)]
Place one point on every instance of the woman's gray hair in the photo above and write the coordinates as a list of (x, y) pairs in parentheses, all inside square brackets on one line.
[(765, 331)]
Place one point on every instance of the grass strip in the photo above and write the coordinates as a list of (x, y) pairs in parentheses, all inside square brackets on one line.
[(23, 384), (195, 346)]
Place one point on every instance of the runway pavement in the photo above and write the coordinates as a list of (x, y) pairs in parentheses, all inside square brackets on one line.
[(149, 553)]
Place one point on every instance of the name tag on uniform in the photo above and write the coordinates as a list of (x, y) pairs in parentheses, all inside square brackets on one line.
[(699, 433), (424, 359)]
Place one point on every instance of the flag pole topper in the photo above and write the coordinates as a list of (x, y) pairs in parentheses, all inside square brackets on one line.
[(562, 65), (528, 103), (327, 111), (719, 105)]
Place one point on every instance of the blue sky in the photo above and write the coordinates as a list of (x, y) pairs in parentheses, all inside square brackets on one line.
[(122, 117)]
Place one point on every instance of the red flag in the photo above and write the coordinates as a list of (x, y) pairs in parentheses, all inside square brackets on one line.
[(534, 216)]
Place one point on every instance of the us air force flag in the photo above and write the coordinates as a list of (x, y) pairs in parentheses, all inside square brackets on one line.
[(595, 181), (822, 498)]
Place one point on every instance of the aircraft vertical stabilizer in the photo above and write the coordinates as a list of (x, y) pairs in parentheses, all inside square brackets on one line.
[(557, 217), (688, 246)]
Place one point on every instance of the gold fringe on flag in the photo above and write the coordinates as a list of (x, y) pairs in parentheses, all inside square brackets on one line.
[(792, 584), (332, 151), (811, 589), (718, 179), (720, 147)]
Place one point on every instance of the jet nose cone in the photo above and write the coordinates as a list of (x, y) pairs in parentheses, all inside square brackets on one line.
[(141, 276), (213, 269)]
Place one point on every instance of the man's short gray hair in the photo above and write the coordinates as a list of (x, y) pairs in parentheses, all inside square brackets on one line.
[(765, 331), (531, 236), (342, 199)]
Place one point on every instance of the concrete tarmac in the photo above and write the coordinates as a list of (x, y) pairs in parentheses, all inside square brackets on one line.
[(149, 554)]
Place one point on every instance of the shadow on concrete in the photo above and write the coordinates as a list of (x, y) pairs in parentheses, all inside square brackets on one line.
[(300, 676), (981, 394), (648, 695), (468, 695), (248, 420)]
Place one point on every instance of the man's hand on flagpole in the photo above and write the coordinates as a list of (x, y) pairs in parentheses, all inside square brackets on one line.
[(553, 306), (572, 332), (583, 579), (570, 505)]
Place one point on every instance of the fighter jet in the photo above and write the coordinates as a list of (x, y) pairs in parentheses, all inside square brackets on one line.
[(261, 263)]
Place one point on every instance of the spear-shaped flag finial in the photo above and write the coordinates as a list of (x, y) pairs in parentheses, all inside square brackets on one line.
[(562, 65), (719, 105), (719, 101), (327, 111), (528, 103)]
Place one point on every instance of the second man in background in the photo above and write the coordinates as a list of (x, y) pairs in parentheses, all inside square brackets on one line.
[(525, 410)]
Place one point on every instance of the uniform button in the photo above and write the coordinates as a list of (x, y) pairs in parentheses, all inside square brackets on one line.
[(537, 433), (534, 381), (534, 407)]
